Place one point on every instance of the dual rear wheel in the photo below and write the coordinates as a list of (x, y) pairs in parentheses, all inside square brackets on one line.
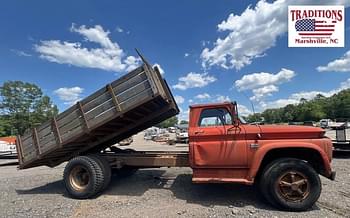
[(86, 176)]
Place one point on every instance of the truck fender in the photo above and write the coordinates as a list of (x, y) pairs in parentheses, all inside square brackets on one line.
[(262, 151)]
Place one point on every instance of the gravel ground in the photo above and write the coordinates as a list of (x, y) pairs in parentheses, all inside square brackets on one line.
[(163, 192)]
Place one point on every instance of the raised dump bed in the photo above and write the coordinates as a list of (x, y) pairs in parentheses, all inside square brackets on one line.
[(124, 107)]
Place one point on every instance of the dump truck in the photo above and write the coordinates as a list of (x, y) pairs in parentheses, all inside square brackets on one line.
[(283, 162)]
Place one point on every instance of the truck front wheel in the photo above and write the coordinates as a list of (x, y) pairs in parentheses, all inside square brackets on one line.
[(83, 177), (291, 184)]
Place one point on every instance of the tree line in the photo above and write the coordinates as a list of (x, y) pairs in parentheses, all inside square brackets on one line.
[(23, 105), (336, 107)]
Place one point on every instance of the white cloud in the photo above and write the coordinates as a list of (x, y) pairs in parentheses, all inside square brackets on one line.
[(20, 53), (194, 80), (69, 96), (202, 96), (344, 85), (119, 30), (308, 95), (251, 33), (243, 110), (132, 63), (261, 93), (159, 68), (338, 65), (109, 56), (184, 115), (179, 99), (255, 80), (222, 98), (186, 55)]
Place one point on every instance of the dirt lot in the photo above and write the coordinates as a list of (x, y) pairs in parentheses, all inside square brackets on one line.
[(156, 193)]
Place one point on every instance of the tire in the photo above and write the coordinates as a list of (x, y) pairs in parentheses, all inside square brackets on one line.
[(83, 177), (262, 185), (291, 184), (106, 169)]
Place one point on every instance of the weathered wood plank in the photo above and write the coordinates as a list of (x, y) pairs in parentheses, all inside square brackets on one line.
[(43, 126), (127, 77), (96, 102), (100, 109), (147, 94), (70, 126), (150, 77), (36, 142), (56, 131), (82, 113), (102, 117), (51, 144), (66, 113), (134, 91), (114, 98), (93, 96), (66, 137), (67, 119), (19, 149), (119, 85), (47, 139), (122, 87), (26, 136), (44, 132), (28, 145)]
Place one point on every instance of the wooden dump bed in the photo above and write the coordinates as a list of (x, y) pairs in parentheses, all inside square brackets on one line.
[(124, 107)]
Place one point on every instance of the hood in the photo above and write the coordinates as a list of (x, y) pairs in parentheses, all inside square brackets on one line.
[(290, 132)]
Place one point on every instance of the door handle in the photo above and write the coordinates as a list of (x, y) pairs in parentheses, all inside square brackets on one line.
[(198, 132)]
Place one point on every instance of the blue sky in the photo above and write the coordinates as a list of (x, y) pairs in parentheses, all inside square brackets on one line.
[(72, 48)]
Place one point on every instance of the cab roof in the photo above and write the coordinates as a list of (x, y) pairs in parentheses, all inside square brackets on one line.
[(213, 104)]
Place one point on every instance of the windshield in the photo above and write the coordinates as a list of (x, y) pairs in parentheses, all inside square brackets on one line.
[(242, 120)]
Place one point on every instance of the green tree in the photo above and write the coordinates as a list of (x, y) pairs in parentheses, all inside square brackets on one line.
[(334, 107), (183, 122), (23, 106), (172, 121), (254, 118)]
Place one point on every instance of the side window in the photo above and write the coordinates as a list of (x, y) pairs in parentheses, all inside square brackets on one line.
[(215, 117)]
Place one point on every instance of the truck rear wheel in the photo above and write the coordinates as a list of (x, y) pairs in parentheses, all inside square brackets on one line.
[(292, 184), (83, 177), (106, 169)]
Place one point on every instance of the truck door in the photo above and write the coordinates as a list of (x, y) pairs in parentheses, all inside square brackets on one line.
[(216, 142)]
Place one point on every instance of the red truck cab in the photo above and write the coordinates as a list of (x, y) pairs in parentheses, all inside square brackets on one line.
[(283, 161)]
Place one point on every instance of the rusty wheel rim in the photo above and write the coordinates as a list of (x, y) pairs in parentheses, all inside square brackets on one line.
[(293, 186), (79, 178)]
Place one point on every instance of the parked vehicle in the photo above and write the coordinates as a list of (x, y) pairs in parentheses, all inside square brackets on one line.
[(7, 149), (172, 129), (283, 161), (324, 123), (182, 136), (150, 133), (182, 133)]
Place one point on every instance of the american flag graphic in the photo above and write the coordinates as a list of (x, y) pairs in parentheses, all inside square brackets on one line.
[(313, 27)]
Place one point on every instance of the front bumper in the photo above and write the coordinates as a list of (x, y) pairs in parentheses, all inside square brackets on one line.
[(332, 176)]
